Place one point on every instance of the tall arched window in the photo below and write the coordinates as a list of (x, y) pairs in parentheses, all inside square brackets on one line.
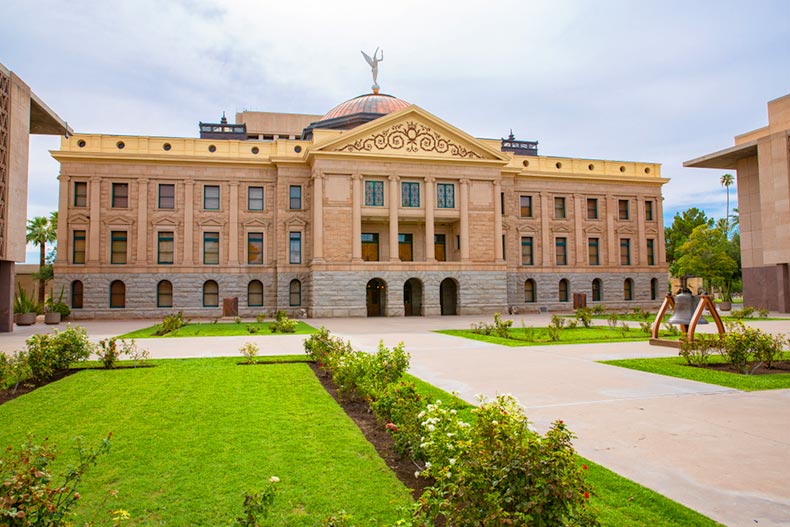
[(76, 294), (210, 294), (654, 289), (255, 293), (295, 293), (564, 290), (530, 291), (117, 294), (628, 289), (164, 294), (597, 290)]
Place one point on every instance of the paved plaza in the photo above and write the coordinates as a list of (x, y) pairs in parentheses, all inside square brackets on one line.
[(722, 452)]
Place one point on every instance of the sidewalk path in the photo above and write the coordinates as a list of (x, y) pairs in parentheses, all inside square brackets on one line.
[(722, 452)]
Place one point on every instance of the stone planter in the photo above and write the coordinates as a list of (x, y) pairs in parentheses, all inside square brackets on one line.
[(725, 306), (25, 319), (52, 318)]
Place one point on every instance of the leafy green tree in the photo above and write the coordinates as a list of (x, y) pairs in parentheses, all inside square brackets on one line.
[(707, 254), (726, 181), (41, 231), (678, 233)]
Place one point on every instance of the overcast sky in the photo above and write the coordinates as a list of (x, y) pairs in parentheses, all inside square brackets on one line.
[(656, 81)]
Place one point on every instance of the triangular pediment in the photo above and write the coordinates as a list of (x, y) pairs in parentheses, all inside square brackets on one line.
[(411, 132), (79, 218), (560, 228), (651, 230), (118, 220), (593, 229), (527, 228), (211, 223), (296, 222), (165, 222), (256, 223), (626, 230)]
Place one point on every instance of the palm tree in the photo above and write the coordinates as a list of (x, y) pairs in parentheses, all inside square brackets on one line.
[(727, 180), (41, 231)]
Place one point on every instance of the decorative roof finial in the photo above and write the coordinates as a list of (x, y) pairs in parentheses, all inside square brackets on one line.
[(224, 119), (511, 137), (374, 67)]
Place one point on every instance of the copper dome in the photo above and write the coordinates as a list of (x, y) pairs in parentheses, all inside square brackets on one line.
[(369, 103)]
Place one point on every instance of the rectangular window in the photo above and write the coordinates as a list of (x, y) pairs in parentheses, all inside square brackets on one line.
[(80, 194), (622, 208), (295, 247), (526, 207), (167, 196), (440, 247), (255, 248), (651, 254), (445, 195), (559, 208), (165, 247), (410, 194), (370, 246), (118, 247), (649, 210), (502, 203), (211, 248), (593, 252), (120, 195), (374, 193), (625, 251), (526, 251), (405, 247), (211, 197), (592, 209), (504, 247), (78, 247), (254, 198), (295, 197), (561, 250)]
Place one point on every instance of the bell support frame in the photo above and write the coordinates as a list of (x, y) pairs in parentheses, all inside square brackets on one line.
[(688, 331)]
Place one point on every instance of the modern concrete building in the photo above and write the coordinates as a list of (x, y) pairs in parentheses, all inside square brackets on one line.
[(762, 161), (21, 113), (376, 208)]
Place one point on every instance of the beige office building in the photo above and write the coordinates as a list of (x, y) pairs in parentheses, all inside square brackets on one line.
[(377, 208), (762, 161)]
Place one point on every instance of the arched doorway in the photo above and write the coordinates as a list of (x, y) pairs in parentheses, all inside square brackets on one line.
[(376, 292), (412, 298), (448, 296)]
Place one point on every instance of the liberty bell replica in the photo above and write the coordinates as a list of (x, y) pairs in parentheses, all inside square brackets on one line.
[(685, 306)]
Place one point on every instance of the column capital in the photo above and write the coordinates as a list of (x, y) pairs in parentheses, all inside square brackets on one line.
[(464, 181), (393, 178), (430, 179), (356, 176), (318, 175)]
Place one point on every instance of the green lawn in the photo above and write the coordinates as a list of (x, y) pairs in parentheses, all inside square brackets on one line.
[(540, 336), (190, 436), (677, 367), (630, 317), (219, 329), (618, 501)]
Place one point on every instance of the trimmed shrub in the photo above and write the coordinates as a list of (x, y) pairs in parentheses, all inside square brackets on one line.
[(48, 353), (172, 322), (283, 324), (698, 351)]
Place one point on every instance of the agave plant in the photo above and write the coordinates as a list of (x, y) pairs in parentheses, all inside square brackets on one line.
[(24, 303)]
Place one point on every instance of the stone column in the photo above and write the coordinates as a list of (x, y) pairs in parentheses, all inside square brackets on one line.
[(498, 252), (233, 236), (189, 221), (356, 217), (641, 238), (63, 256), (430, 203), (661, 249), (580, 242), (95, 226), (545, 234), (318, 217), (394, 203), (612, 244), (464, 220), (142, 221)]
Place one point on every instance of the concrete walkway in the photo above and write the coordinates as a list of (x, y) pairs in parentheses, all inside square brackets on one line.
[(719, 451)]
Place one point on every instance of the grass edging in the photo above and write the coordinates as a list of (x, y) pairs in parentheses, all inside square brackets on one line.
[(218, 329), (579, 335)]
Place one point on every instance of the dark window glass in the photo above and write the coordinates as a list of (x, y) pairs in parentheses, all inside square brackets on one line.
[(255, 293), (374, 193), (530, 291), (78, 247), (526, 207), (117, 294), (405, 247), (295, 293), (527, 251), (410, 194), (165, 248), (255, 248), (628, 289), (622, 209), (211, 197), (654, 289), (445, 195), (564, 290), (561, 251), (295, 197), (370, 246), (118, 247), (80, 194), (164, 294), (593, 251), (625, 251), (76, 294), (211, 248), (596, 290), (559, 208), (649, 210), (120, 195), (210, 294), (592, 209), (651, 254), (167, 196), (255, 198), (295, 248)]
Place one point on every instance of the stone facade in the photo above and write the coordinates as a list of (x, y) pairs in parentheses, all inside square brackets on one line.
[(402, 215)]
